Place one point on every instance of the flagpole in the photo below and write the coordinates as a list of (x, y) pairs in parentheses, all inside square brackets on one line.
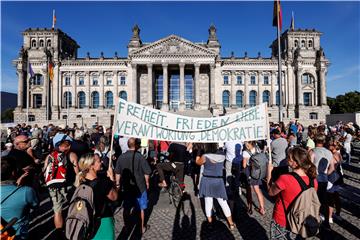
[(27, 92), (47, 80), (279, 64)]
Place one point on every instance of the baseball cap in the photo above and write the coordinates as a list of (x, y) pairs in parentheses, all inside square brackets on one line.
[(59, 138)]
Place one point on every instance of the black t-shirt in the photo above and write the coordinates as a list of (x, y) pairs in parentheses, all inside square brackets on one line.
[(178, 153), (79, 148), (124, 167), (101, 188)]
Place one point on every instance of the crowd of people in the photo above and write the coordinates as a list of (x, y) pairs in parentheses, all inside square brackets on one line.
[(80, 167)]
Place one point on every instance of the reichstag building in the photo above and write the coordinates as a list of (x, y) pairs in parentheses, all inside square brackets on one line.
[(171, 74)]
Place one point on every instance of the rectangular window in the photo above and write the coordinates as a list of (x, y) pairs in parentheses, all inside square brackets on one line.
[(313, 115), (122, 80), (38, 79), (253, 80), (31, 118), (37, 100), (95, 81), (67, 81), (307, 99), (239, 80), (81, 81), (108, 81), (226, 80), (266, 80)]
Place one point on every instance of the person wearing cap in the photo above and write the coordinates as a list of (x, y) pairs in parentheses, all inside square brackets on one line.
[(58, 193)]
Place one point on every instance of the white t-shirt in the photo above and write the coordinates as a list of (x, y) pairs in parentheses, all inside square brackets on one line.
[(247, 155), (230, 149), (123, 142)]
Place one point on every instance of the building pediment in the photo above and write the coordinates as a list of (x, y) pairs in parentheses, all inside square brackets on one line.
[(172, 46), (307, 88)]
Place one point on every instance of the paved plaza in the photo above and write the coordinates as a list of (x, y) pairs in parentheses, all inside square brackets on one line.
[(188, 221)]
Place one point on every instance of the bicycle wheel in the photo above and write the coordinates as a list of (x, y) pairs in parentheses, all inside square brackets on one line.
[(176, 193)]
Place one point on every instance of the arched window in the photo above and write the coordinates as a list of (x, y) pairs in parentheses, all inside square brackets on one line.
[(41, 43), (123, 95), (310, 44), (48, 43), (226, 98), (95, 99), (252, 98), (109, 99), (38, 79), (307, 78), (296, 43), (67, 99), (277, 98), (239, 98), (266, 97), (33, 43), (81, 99), (302, 43)]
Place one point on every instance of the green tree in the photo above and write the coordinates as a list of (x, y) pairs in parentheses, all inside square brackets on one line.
[(348, 103), (7, 115)]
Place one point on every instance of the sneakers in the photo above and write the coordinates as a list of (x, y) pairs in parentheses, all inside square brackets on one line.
[(331, 220), (322, 218)]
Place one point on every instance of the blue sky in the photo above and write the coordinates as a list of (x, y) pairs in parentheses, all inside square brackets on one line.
[(241, 26)]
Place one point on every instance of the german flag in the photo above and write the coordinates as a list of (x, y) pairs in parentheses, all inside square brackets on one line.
[(277, 18), (51, 71)]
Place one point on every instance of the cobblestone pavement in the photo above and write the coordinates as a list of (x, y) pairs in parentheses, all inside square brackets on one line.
[(188, 220)]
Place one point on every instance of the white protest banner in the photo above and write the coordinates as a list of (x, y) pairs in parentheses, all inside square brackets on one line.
[(135, 120)]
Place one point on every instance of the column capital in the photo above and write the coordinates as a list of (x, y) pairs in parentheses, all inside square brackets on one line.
[(164, 65), (212, 65), (149, 65), (197, 65), (181, 65), (133, 65)]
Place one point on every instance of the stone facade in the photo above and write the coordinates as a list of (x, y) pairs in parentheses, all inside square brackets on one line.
[(87, 88)]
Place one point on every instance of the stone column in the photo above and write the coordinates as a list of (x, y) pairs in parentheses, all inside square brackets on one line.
[(55, 86), (134, 82), (322, 87), (246, 90), (212, 85), (316, 97), (88, 92), (20, 88), (101, 93), (197, 86), (273, 90), (233, 92), (74, 94), (182, 86), (165, 104), (45, 88), (259, 90), (300, 99), (116, 84), (290, 83), (150, 85)]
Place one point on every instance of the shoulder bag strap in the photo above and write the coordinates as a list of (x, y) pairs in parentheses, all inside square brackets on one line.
[(301, 181), (10, 194)]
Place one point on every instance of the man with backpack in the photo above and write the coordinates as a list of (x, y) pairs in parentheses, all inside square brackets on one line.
[(132, 176), (61, 166)]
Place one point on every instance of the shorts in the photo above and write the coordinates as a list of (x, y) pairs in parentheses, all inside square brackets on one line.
[(140, 202), (58, 198)]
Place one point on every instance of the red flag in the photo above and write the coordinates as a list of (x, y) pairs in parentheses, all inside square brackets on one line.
[(277, 18)]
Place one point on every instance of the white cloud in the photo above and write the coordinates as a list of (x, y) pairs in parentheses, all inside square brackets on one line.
[(344, 74)]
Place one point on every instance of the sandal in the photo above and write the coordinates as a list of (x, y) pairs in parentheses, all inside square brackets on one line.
[(262, 211), (232, 226), (146, 228)]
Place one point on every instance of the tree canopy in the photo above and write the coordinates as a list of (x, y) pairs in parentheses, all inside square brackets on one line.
[(348, 103)]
